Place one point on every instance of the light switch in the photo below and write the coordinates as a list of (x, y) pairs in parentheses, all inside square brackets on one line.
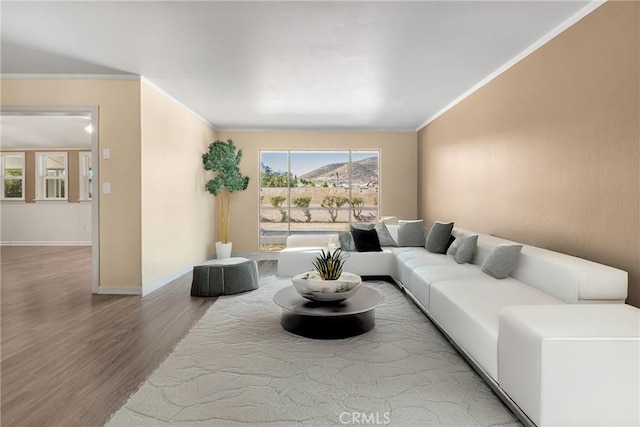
[(106, 187), (106, 153)]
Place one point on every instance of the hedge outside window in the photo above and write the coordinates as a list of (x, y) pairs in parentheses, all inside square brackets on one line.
[(52, 176), (13, 176)]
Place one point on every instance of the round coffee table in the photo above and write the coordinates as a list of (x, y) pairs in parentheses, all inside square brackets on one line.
[(327, 320)]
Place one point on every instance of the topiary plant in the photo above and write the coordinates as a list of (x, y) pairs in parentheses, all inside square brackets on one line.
[(303, 203), (276, 202), (223, 158), (333, 204)]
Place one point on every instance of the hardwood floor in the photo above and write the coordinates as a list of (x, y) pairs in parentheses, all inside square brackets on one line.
[(70, 358)]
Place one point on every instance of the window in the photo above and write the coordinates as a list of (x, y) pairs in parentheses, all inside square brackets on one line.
[(13, 176), (86, 177), (52, 176), (315, 192)]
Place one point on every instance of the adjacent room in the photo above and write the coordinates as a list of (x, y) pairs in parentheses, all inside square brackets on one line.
[(325, 213)]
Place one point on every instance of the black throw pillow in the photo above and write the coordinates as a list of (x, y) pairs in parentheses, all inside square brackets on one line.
[(366, 240)]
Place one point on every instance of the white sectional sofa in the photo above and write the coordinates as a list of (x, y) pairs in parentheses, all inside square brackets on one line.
[(472, 308)]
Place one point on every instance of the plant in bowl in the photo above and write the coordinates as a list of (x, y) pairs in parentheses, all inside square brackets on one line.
[(327, 282)]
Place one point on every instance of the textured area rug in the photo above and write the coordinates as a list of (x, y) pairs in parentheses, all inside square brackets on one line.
[(238, 366)]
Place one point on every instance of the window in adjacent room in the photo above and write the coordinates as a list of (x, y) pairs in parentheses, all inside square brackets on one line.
[(315, 192), (52, 176), (13, 176), (86, 176)]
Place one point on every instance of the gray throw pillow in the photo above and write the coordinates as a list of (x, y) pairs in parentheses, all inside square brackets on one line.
[(455, 245), (501, 261), (410, 233), (384, 235), (467, 249), (438, 237), (346, 241)]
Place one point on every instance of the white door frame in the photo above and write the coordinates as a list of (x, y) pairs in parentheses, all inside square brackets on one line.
[(93, 110)]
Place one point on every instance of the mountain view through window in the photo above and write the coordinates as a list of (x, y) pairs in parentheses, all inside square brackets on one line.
[(315, 192)]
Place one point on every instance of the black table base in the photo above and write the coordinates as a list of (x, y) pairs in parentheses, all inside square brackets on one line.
[(323, 327)]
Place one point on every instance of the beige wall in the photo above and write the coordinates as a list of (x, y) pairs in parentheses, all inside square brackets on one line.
[(177, 213), (119, 113), (73, 173), (30, 179), (548, 153), (398, 189)]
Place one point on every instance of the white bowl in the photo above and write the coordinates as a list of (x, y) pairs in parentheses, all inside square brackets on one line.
[(315, 289)]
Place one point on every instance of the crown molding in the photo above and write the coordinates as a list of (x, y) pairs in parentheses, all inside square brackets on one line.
[(45, 76), (318, 130), (528, 51)]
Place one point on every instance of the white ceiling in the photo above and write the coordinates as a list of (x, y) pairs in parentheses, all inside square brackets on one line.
[(44, 132), (285, 65)]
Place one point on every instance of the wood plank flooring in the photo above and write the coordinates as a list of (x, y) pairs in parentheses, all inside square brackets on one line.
[(70, 358)]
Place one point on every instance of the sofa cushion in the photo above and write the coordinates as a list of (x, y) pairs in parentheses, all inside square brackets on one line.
[(429, 274), (420, 278), (467, 249), (371, 263), (468, 310), (366, 240), (438, 237), (410, 233), (407, 260), (501, 261), (309, 240), (570, 278), (346, 241), (296, 260)]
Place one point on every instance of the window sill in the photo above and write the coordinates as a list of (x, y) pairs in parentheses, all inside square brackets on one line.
[(51, 201), (85, 200), (12, 201)]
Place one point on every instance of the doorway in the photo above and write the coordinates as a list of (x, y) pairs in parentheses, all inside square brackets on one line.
[(50, 160)]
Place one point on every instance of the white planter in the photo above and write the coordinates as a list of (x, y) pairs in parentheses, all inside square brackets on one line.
[(316, 289), (223, 250)]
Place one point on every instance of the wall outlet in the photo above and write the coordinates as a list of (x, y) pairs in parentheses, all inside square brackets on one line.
[(106, 188)]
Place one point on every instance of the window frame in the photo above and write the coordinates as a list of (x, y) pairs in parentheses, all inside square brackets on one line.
[(289, 207), (42, 178), (4, 177), (85, 160)]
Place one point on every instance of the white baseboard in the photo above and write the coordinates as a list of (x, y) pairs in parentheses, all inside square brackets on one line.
[(120, 290), (45, 243), (157, 284)]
